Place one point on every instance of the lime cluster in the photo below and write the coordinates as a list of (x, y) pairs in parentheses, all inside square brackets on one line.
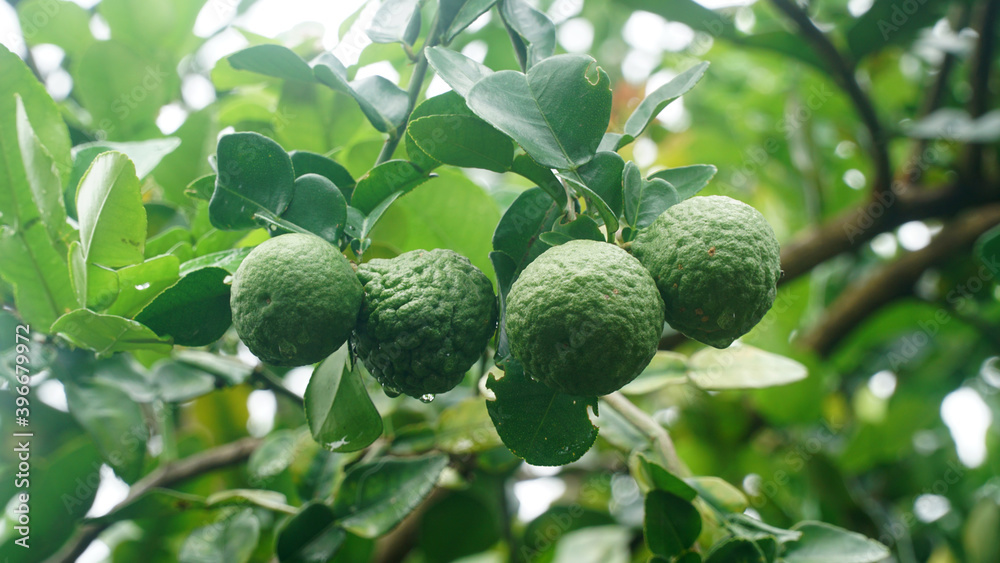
[(419, 321)]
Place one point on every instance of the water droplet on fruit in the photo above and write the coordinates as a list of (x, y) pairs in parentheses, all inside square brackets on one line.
[(390, 392), (427, 398)]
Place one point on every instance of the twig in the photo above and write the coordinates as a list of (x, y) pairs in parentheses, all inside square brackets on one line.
[(656, 432), (896, 279), (843, 73), (416, 83), (272, 382), (164, 476)]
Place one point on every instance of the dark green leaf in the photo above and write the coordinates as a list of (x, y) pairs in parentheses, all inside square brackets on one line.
[(273, 60), (392, 20), (608, 216), (516, 235), (462, 140), (558, 112), (311, 536), (736, 550), (687, 180), (447, 104), (382, 181), (823, 543), (201, 188), (318, 207), (536, 423), (114, 422), (541, 176), (106, 334), (457, 15), (376, 496), (531, 31), (340, 413), (255, 175), (203, 291), (305, 162), (583, 227), (988, 249), (553, 238), (459, 71), (505, 270), (603, 176), (383, 103), (891, 22), (672, 524), (232, 540), (645, 199), (658, 478), (228, 260)]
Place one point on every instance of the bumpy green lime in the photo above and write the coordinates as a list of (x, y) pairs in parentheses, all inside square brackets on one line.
[(295, 300), (716, 263), (427, 317), (584, 318)]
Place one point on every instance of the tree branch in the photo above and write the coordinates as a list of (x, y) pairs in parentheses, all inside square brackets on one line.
[(164, 476), (897, 279), (843, 74), (652, 429), (980, 68)]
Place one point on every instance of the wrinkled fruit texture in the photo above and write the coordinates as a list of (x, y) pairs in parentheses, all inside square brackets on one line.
[(295, 300), (584, 318), (427, 317), (716, 263)]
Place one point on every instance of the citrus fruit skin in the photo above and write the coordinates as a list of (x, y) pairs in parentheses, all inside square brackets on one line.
[(716, 263), (584, 318), (427, 316), (295, 300)]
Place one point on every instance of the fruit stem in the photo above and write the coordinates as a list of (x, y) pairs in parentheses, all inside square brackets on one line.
[(652, 429), (416, 83), (570, 208)]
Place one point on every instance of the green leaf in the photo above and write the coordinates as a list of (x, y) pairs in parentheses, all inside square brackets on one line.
[(274, 455), (466, 428), (597, 544), (311, 536), (719, 494), (232, 540), (672, 523), (267, 499), (42, 287), (106, 334), (583, 227), (891, 22), (305, 162), (505, 270), (656, 477), (111, 216), (558, 112), (228, 260), (96, 287), (58, 22), (369, 221), (456, 15), (823, 543), (543, 177), (154, 504), (203, 291), (653, 104), (645, 199), (664, 369), (255, 175), (177, 383), (141, 283), (516, 235), (339, 411), (273, 60), (385, 179), (753, 529), (383, 103), (145, 155), (603, 175), (742, 367), (161, 27), (114, 421), (457, 70), (536, 423), (230, 370), (462, 140), (736, 550), (376, 496), (43, 180), (607, 215), (201, 188), (449, 103), (532, 32), (687, 180), (318, 207), (47, 123), (393, 20)]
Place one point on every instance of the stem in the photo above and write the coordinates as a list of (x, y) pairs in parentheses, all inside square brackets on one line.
[(416, 83), (274, 383), (652, 429), (164, 476)]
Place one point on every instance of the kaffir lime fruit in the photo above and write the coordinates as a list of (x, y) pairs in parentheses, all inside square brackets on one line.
[(295, 300), (716, 263), (584, 318), (427, 317)]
